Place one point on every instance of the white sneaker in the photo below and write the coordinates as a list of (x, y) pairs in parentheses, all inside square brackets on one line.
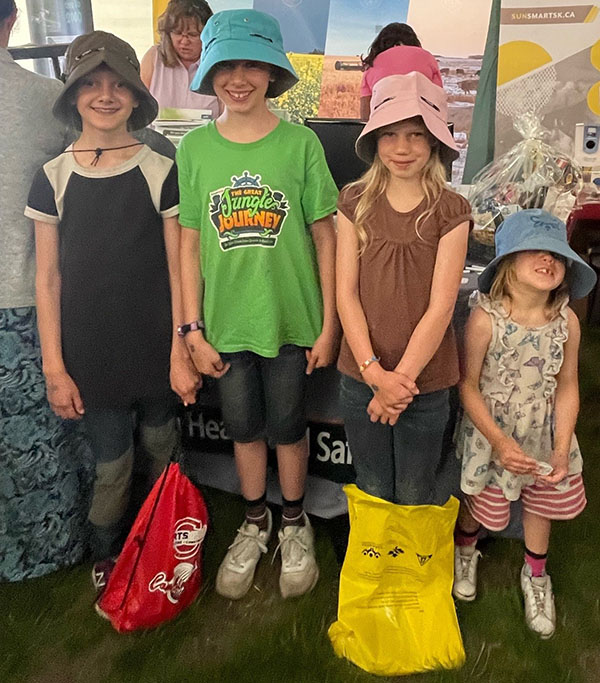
[(465, 574), (299, 570), (236, 572), (540, 613)]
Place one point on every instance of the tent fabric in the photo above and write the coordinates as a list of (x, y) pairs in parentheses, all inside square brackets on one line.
[(483, 128)]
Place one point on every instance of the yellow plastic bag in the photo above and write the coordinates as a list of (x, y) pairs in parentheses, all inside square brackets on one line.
[(395, 613)]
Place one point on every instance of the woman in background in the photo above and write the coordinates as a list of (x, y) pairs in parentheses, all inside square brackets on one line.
[(167, 69)]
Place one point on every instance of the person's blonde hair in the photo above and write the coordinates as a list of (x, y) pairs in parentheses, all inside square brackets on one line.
[(506, 278), (372, 184), (173, 16)]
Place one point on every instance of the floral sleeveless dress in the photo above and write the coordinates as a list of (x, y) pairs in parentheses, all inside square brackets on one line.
[(518, 384)]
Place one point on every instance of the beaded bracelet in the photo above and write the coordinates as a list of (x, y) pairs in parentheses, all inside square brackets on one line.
[(363, 366)]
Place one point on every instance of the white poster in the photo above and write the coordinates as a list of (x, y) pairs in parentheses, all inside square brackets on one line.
[(549, 64)]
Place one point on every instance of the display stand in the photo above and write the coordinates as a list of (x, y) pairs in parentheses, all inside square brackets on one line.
[(52, 52)]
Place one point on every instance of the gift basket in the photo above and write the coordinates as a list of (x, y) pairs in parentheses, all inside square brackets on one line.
[(531, 175)]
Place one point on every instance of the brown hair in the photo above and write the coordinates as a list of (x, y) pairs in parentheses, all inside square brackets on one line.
[(372, 184), (505, 279), (391, 35), (177, 11), (7, 7)]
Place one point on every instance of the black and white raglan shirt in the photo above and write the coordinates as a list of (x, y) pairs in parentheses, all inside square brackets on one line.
[(115, 299)]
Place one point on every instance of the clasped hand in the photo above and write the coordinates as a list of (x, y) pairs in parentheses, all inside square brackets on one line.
[(560, 469), (512, 458), (394, 392)]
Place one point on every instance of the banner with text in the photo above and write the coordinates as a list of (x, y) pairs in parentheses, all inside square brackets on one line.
[(549, 64), (330, 457)]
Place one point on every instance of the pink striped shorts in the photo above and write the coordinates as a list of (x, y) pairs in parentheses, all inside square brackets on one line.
[(491, 509)]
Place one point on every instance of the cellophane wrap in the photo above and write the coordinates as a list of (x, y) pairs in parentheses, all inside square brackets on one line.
[(531, 175)]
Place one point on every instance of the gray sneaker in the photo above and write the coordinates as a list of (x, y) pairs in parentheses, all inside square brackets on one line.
[(236, 572), (299, 570), (540, 613), (465, 574)]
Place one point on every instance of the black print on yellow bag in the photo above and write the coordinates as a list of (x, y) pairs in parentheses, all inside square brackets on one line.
[(396, 614)]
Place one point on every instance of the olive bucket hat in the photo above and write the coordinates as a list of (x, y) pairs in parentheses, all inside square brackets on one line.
[(243, 35), (538, 230), (89, 51)]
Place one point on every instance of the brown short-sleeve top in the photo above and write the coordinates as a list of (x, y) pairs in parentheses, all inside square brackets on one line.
[(395, 275)]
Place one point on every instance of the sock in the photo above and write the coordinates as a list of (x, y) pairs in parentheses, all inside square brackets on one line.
[(536, 562), (466, 540), (256, 512), (293, 513)]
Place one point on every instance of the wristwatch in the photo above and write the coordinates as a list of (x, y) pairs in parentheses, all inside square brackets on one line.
[(182, 330)]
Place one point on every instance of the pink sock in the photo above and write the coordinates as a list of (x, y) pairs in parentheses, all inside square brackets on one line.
[(536, 562)]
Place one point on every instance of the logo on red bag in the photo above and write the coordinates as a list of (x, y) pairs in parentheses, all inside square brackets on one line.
[(174, 588), (187, 538)]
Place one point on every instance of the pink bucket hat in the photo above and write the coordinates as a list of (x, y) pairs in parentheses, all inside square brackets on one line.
[(400, 97)]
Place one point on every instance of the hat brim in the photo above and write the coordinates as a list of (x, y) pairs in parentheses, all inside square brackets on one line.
[(400, 109), (146, 110), (231, 49), (581, 278)]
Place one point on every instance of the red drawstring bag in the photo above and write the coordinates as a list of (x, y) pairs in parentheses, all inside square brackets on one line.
[(158, 573)]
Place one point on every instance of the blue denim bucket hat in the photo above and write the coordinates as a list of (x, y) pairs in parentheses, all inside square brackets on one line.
[(243, 34), (537, 230)]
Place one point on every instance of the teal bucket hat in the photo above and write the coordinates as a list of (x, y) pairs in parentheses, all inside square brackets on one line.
[(243, 34), (538, 230)]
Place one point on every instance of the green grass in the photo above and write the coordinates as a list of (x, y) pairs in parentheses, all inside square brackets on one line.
[(49, 632)]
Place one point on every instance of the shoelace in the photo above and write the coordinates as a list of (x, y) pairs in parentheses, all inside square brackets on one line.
[(243, 539), (466, 564), (539, 595), (292, 542)]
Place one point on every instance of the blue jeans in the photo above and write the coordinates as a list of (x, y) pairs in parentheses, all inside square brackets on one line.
[(398, 463), (115, 434), (264, 398)]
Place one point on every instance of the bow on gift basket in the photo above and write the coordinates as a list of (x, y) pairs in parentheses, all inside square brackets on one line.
[(531, 175)]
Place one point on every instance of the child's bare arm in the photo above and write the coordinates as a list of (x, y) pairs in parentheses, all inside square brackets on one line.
[(325, 347), (566, 405), (430, 330), (206, 359), (478, 335), (184, 377), (365, 107), (63, 394)]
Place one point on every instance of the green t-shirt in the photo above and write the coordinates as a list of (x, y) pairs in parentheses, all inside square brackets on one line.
[(253, 204)]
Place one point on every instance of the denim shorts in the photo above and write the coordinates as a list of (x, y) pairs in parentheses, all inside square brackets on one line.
[(264, 398), (400, 463)]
